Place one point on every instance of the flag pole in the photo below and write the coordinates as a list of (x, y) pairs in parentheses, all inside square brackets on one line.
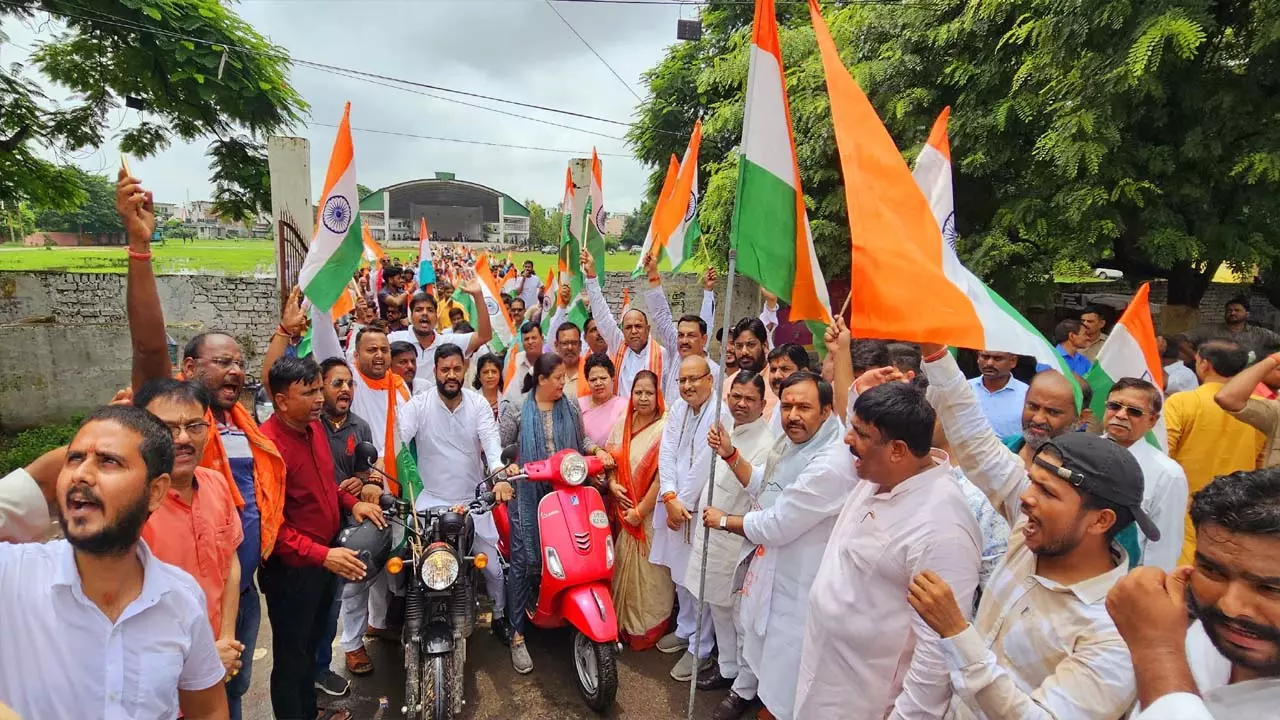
[(711, 484)]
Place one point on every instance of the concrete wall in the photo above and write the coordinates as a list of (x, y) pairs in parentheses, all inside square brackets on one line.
[(64, 342), (1261, 311), (70, 239)]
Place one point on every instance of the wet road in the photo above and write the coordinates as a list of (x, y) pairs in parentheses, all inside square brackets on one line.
[(495, 690)]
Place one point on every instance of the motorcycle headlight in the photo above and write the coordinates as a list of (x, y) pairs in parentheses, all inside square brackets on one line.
[(573, 469), (439, 569)]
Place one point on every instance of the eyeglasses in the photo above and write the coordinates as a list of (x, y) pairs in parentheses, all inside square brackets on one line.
[(226, 362), (1132, 412), (692, 380), (193, 428)]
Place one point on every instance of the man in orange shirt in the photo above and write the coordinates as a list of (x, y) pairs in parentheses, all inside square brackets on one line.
[(197, 528)]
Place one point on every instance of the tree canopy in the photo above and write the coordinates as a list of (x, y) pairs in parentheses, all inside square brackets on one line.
[(197, 68), (544, 225), (1145, 136), (95, 214)]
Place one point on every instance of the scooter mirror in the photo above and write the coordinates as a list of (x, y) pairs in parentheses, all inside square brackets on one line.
[(509, 453), (366, 454)]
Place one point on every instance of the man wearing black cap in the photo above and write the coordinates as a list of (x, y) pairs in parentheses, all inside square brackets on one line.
[(1042, 623)]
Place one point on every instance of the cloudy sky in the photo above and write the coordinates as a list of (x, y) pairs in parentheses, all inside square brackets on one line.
[(516, 49)]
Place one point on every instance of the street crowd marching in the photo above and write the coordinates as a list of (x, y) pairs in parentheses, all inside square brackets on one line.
[(871, 536)]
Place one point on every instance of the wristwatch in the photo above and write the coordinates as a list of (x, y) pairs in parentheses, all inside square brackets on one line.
[(724, 522)]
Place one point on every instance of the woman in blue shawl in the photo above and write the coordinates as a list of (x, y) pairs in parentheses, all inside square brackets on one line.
[(544, 423)]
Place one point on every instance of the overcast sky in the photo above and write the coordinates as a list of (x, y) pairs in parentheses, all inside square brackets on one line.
[(515, 49)]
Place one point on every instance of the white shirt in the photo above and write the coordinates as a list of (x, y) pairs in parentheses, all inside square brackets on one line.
[(1219, 697), (1164, 499), (61, 658), (529, 289), (867, 653), (684, 467), (371, 406), (1180, 378), (665, 330), (800, 490), (632, 361), (24, 514), (427, 355)]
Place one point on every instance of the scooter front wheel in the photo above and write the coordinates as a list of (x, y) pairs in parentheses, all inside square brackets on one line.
[(597, 671)]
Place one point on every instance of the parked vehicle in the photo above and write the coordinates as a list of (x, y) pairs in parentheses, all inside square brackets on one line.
[(440, 601), (577, 569)]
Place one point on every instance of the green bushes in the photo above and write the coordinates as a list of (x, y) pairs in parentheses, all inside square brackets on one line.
[(19, 450)]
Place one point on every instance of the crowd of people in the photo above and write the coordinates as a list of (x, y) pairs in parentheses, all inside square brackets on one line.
[(871, 536)]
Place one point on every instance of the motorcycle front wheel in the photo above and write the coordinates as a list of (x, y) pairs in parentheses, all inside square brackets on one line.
[(596, 671), (437, 685)]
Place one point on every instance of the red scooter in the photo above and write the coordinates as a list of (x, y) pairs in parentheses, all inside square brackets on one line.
[(577, 569)]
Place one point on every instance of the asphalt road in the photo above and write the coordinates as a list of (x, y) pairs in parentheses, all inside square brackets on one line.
[(495, 690)]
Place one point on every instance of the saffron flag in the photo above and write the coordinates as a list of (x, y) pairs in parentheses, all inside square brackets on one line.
[(770, 228), (593, 219), (334, 253), (1130, 351), (372, 251), (677, 229), (426, 268), (650, 244), (1004, 328)]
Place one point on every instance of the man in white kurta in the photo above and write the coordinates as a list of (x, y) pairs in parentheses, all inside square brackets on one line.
[(800, 489), (684, 467), (684, 337), (451, 427), (867, 653), (752, 437), (424, 336), (630, 346)]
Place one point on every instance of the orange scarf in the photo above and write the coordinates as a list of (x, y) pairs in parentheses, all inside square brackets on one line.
[(584, 389), (653, 364), (268, 472), (637, 483), (509, 366), (389, 382)]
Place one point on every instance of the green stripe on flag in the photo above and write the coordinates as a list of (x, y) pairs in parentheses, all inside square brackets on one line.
[(1059, 361), (764, 229), (334, 275)]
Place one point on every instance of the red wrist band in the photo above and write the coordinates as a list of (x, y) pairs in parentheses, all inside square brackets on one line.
[(139, 255), (934, 357)]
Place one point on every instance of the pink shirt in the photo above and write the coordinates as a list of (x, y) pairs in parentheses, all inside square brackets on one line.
[(201, 538)]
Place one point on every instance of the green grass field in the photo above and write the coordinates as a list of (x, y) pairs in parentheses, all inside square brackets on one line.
[(228, 257)]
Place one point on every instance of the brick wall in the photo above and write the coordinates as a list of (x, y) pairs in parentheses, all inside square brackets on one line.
[(64, 341)]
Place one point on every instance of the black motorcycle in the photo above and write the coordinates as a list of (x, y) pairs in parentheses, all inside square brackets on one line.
[(440, 601)]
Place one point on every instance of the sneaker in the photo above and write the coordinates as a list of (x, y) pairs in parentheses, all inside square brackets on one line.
[(333, 684), (520, 659), (733, 707), (671, 644), (687, 666)]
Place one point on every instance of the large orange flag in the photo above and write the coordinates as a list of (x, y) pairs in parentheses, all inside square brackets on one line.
[(896, 250)]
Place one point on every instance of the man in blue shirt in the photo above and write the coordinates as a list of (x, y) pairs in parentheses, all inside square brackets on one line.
[(999, 393), (1072, 339)]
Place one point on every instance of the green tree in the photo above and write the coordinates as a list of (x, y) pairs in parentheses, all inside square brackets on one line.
[(636, 226), (363, 191), (544, 225), (95, 214), (1146, 136), (17, 220), (198, 69)]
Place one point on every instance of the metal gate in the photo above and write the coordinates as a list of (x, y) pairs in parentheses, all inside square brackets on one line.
[(291, 248)]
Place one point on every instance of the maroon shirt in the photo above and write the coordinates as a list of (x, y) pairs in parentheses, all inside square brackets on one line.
[(312, 501)]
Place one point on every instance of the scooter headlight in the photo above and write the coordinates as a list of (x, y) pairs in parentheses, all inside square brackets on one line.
[(573, 469), (608, 551), (554, 566), (439, 568)]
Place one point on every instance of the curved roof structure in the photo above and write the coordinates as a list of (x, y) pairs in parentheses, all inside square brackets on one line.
[(447, 191)]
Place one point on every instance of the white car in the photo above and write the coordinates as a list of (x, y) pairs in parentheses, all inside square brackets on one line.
[(549, 249), (1107, 274)]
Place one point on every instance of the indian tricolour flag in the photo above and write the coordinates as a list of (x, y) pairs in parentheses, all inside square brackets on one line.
[(334, 253), (1130, 351), (426, 268), (770, 227), (650, 238), (593, 218), (1004, 328), (504, 331), (676, 228), (902, 230)]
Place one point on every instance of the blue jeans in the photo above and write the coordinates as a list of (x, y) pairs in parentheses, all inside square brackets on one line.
[(324, 652), (248, 619), (526, 552)]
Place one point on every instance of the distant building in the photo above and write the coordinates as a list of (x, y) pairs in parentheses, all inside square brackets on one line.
[(614, 223), (454, 210)]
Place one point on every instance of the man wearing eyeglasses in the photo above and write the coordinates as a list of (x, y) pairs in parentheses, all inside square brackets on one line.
[(196, 527), (1132, 411)]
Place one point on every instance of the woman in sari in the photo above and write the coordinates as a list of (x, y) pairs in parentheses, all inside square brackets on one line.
[(642, 592), (602, 408), (543, 424)]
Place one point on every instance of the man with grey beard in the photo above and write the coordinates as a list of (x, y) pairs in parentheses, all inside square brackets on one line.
[(1048, 411)]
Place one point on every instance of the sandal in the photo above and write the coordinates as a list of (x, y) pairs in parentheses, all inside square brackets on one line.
[(358, 662), (333, 714)]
